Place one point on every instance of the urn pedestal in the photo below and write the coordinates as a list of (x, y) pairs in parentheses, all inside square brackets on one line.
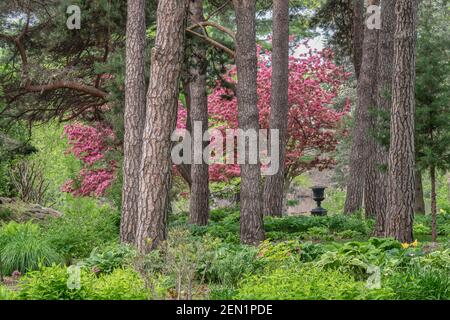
[(318, 196)]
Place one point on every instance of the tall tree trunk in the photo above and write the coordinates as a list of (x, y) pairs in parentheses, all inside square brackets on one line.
[(400, 206), (433, 203), (358, 34), (251, 220), (274, 185), (419, 203), (199, 200), (384, 103), (362, 166), (134, 117), (162, 102)]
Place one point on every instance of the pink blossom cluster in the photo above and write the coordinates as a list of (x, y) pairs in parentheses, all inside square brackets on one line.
[(90, 144)]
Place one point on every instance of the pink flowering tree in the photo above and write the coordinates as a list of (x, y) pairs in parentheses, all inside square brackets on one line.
[(313, 124), (91, 145)]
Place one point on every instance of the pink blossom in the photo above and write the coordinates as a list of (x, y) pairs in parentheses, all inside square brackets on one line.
[(90, 144)]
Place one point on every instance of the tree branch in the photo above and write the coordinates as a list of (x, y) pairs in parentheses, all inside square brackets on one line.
[(213, 42), (214, 25), (67, 85)]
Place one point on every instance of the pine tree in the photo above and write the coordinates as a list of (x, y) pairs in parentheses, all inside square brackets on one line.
[(432, 116), (160, 121), (400, 204), (134, 117), (252, 228), (274, 185)]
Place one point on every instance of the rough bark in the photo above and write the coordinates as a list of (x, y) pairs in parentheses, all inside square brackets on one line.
[(160, 121), (384, 103), (358, 35), (274, 185), (199, 199), (133, 117), (433, 203), (251, 222), (400, 205), (362, 166), (419, 203)]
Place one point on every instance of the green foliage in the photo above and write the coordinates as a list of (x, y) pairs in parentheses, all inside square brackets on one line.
[(420, 228), (23, 248), (107, 259), (220, 292), (439, 259), (422, 223), (180, 263), (120, 284), (420, 284), (432, 132), (225, 189), (315, 227), (6, 213), (348, 234), (6, 294), (226, 228), (50, 283), (335, 200), (354, 258), (311, 251), (230, 263), (304, 283), (279, 253), (84, 226), (56, 165)]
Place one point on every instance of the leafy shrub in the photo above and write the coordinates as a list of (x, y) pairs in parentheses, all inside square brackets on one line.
[(226, 229), (293, 224), (311, 251), (420, 284), (348, 234), (420, 228), (6, 294), (422, 223), (50, 283), (109, 258), (84, 226), (354, 265), (23, 248), (318, 233), (317, 225), (279, 253), (182, 260), (436, 259), (354, 257), (217, 215), (230, 263), (221, 292), (304, 283), (120, 284), (340, 222)]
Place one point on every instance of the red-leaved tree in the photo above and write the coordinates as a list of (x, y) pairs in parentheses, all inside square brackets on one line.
[(313, 124), (90, 144)]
